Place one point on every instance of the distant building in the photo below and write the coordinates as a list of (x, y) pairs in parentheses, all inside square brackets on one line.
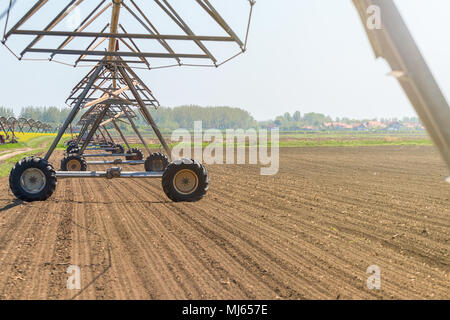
[(360, 127), (395, 126), (308, 128), (376, 125), (337, 126), (368, 126), (413, 126)]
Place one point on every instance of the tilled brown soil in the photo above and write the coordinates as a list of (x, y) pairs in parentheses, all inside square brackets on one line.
[(309, 232)]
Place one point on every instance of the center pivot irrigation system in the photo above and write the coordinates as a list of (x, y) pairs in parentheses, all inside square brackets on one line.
[(107, 110), (114, 38), (9, 127), (112, 89)]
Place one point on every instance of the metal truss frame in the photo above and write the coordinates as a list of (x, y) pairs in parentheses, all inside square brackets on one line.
[(118, 33)]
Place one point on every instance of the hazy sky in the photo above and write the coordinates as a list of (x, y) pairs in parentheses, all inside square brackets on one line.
[(307, 55)]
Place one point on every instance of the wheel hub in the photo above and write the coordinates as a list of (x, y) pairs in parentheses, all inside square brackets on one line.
[(158, 165), (74, 165), (33, 180), (185, 181)]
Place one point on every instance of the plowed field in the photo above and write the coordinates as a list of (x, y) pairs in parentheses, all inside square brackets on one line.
[(309, 232)]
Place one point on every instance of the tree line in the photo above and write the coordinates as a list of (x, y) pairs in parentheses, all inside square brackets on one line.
[(222, 117), (50, 115), (167, 118), (211, 117)]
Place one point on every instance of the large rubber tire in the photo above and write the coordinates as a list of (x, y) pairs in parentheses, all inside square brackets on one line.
[(73, 162), (71, 148), (185, 180), (74, 151), (156, 162), (139, 155), (32, 179), (72, 143), (118, 149)]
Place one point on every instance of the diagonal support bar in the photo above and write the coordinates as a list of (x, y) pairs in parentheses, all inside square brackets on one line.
[(94, 129), (27, 16), (145, 111), (116, 126), (395, 43), (74, 111)]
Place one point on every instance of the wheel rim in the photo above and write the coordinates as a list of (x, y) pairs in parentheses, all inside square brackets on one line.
[(136, 157), (74, 165), (157, 165), (33, 180), (185, 181)]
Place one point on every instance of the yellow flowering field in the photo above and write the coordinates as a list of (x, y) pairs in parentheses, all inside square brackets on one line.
[(25, 137)]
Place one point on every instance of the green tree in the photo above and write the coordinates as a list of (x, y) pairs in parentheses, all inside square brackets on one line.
[(297, 116), (6, 112), (287, 116), (315, 119)]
